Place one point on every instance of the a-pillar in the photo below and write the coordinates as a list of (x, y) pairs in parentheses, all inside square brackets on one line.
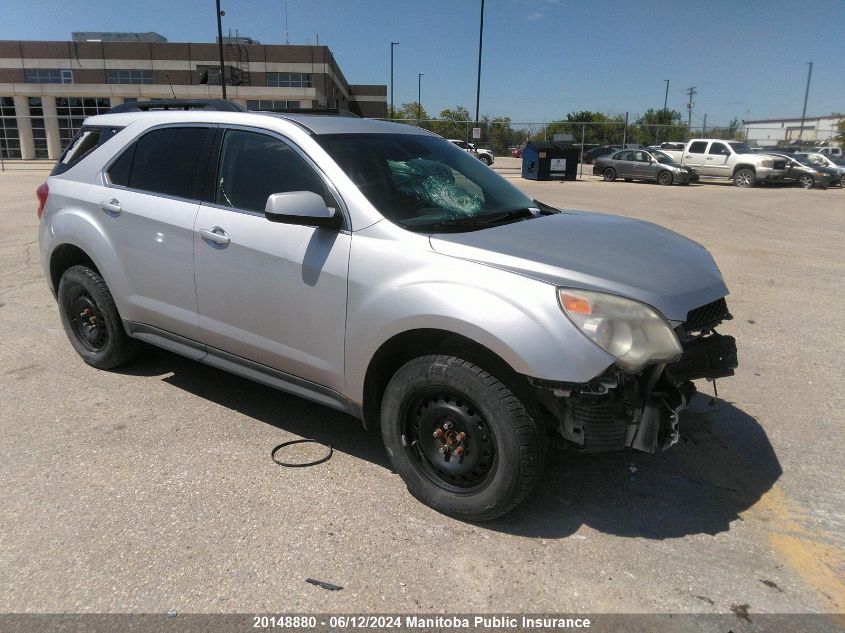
[(51, 127), (24, 127)]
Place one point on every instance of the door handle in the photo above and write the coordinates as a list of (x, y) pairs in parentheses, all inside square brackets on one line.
[(709, 158), (112, 207), (216, 235)]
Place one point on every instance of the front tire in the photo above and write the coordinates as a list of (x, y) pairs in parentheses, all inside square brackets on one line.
[(745, 178), (91, 320), (609, 174), (806, 181), (664, 178), (460, 439)]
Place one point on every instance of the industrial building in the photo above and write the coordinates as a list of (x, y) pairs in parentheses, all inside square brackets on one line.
[(819, 129), (47, 88)]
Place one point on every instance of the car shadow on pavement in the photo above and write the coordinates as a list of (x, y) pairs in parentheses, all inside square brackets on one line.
[(722, 466), (288, 413)]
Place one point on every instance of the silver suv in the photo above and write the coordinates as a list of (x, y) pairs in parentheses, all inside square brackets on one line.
[(378, 269)]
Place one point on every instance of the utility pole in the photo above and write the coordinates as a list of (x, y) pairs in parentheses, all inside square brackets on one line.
[(392, 44), (419, 96), (704, 127), (480, 42), (806, 94), (666, 97), (220, 14), (691, 92)]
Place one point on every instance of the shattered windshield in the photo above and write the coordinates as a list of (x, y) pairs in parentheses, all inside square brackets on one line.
[(425, 183)]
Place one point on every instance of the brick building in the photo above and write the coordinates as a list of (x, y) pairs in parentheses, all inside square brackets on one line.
[(48, 88)]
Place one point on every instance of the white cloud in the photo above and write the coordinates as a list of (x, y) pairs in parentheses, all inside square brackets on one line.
[(536, 15)]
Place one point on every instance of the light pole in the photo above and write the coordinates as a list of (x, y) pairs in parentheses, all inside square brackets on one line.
[(419, 96), (220, 14), (806, 94), (392, 44), (666, 96), (480, 42)]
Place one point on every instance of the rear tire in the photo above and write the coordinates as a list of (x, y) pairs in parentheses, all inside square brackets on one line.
[(486, 159), (435, 405), (609, 174), (91, 320), (664, 178), (745, 178)]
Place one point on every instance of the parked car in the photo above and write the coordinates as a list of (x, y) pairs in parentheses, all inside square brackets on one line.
[(484, 155), (832, 162), (517, 151), (640, 164), (828, 151), (673, 145), (601, 150), (717, 158), (803, 171), (376, 268)]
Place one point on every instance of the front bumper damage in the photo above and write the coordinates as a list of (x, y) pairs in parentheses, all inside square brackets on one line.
[(617, 411)]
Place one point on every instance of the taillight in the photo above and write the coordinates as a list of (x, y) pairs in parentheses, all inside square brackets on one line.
[(42, 192)]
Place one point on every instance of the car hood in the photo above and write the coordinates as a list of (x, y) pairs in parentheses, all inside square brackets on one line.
[(595, 251)]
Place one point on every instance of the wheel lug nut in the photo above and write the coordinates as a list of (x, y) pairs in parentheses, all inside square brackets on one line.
[(447, 425), (460, 436), (459, 451), (92, 320), (444, 449), (438, 433)]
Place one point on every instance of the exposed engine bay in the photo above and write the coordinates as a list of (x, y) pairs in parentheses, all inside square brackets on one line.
[(618, 410)]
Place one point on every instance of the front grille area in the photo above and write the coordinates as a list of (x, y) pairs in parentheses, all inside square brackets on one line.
[(603, 429), (707, 316), (780, 164)]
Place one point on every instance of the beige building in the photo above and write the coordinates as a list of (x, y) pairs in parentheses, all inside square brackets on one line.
[(48, 88)]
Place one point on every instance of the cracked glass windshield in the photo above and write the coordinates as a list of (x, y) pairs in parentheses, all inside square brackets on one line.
[(426, 184)]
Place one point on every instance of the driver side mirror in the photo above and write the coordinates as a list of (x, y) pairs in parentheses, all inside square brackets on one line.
[(303, 208)]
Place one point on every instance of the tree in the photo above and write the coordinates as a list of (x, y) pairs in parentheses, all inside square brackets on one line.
[(409, 112), (840, 136), (655, 126), (452, 123)]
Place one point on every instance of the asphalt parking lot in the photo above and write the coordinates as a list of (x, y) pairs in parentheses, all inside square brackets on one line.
[(151, 488)]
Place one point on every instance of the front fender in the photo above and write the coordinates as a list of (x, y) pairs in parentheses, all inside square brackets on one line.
[(395, 289)]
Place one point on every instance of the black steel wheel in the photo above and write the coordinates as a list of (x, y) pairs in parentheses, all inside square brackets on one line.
[(609, 174), (664, 178), (448, 441), (91, 320), (460, 438)]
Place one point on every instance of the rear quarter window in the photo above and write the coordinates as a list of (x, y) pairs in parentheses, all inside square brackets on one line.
[(81, 145)]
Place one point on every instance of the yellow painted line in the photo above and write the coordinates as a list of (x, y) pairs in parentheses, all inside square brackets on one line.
[(820, 565)]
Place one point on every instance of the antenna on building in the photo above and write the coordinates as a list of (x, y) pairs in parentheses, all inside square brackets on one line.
[(286, 23)]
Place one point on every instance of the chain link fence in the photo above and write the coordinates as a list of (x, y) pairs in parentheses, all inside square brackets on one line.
[(42, 135)]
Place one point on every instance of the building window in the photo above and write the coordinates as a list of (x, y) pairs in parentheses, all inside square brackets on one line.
[(48, 76), (120, 76), (72, 112), (268, 105), (10, 144), (290, 80)]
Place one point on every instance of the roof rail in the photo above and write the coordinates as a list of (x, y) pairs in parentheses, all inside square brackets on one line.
[(321, 111), (220, 105)]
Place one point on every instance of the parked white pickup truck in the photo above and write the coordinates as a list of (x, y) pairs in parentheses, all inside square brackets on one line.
[(717, 158)]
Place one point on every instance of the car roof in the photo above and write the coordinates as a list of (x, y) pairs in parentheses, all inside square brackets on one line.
[(313, 123)]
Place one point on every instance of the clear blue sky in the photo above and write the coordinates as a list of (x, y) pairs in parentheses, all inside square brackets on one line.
[(542, 58)]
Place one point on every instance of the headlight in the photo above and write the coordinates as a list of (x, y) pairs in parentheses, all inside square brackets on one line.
[(634, 333), (767, 163)]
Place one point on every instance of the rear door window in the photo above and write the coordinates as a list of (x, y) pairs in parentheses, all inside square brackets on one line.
[(169, 161), (719, 148), (699, 147)]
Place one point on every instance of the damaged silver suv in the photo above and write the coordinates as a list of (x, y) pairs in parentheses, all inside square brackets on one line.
[(378, 269)]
